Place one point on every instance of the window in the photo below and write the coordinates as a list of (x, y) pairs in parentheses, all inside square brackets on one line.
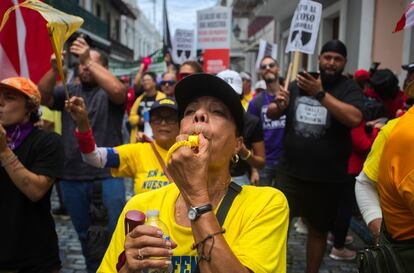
[(98, 10)]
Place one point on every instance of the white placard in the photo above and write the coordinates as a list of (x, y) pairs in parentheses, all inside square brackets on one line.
[(213, 28), (304, 27), (266, 49), (183, 46)]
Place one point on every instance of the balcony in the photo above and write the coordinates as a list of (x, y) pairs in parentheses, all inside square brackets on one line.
[(92, 23), (121, 50)]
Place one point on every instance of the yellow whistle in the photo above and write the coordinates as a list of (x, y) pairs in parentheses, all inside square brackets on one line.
[(191, 142)]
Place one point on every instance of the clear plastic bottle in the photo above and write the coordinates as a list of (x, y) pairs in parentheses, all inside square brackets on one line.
[(147, 126), (153, 219)]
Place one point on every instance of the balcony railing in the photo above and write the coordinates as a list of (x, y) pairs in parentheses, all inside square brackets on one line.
[(92, 23), (122, 50)]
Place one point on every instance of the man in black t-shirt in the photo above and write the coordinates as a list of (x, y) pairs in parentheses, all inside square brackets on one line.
[(105, 97), (317, 144), (30, 159)]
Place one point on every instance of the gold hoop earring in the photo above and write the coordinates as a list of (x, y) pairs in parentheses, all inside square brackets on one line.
[(235, 159)]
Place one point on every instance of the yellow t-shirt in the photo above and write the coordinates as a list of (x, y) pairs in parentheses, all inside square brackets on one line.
[(371, 164), (139, 161), (246, 99), (256, 229), (53, 116), (396, 179)]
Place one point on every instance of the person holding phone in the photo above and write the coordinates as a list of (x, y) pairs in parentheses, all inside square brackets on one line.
[(105, 97), (317, 145)]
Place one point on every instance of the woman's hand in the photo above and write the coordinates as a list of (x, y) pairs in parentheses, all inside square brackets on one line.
[(189, 169), (77, 109), (144, 242), (255, 177)]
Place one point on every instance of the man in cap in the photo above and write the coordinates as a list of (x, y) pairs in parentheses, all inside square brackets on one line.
[(252, 153), (317, 145)]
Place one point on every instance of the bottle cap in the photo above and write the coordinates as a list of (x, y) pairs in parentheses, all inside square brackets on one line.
[(153, 213)]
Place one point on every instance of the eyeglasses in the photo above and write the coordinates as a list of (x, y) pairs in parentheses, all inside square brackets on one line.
[(267, 66), (183, 75), (170, 83), (168, 120)]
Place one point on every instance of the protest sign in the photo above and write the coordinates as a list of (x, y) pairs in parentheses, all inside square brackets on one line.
[(304, 27), (266, 49), (213, 28), (183, 46)]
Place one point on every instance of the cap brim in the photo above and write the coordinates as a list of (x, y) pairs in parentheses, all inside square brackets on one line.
[(408, 67), (12, 88), (201, 85), (163, 106)]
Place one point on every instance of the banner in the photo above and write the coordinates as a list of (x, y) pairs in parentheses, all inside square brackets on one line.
[(214, 28), (265, 49), (183, 46), (304, 27), (158, 65), (216, 60), (407, 20)]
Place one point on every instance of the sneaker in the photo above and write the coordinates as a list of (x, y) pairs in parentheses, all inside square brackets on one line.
[(61, 212), (344, 254), (330, 240), (301, 228)]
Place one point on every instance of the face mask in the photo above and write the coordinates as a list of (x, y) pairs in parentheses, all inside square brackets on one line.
[(409, 90)]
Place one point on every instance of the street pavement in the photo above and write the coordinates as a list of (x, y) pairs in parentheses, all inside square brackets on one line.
[(73, 261)]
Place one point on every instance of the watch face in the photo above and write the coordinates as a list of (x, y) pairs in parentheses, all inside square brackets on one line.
[(192, 214)]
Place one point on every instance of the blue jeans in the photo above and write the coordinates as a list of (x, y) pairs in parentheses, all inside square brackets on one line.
[(268, 174), (77, 196)]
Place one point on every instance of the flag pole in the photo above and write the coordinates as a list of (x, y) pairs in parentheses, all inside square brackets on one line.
[(295, 64), (289, 75)]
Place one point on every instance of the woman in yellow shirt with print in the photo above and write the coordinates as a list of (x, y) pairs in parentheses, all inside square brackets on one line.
[(142, 161), (252, 236)]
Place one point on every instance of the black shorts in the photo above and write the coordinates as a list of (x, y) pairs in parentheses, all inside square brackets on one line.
[(316, 202)]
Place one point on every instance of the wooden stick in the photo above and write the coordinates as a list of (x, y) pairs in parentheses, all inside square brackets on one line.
[(289, 75), (295, 65)]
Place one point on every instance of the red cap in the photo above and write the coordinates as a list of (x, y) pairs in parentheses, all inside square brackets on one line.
[(362, 73)]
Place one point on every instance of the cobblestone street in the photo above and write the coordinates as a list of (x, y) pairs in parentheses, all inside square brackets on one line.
[(73, 261)]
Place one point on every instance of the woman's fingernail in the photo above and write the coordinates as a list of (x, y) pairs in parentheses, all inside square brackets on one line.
[(159, 232), (168, 243), (170, 251), (167, 262)]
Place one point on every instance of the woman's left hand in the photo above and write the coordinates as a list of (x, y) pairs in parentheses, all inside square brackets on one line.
[(189, 170)]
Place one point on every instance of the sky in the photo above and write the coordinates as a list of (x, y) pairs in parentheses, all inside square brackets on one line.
[(181, 13)]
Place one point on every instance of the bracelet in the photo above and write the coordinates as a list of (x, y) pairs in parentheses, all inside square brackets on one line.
[(200, 246), (249, 154), (9, 160), (86, 141)]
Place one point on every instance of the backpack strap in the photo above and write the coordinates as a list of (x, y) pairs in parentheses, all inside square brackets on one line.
[(161, 161)]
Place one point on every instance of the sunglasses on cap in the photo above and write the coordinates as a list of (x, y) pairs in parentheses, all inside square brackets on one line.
[(267, 66), (170, 83), (183, 75)]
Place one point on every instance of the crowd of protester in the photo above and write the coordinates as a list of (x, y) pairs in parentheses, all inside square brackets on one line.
[(322, 149)]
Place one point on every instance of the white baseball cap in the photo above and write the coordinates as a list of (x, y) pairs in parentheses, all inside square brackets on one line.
[(260, 84), (233, 79)]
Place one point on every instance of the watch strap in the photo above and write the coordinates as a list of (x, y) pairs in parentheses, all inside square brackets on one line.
[(320, 95), (203, 209)]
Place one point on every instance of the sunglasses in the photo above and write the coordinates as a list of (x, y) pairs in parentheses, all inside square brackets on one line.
[(267, 66), (168, 120), (183, 75), (170, 83)]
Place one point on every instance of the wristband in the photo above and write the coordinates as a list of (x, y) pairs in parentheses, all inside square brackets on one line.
[(86, 141)]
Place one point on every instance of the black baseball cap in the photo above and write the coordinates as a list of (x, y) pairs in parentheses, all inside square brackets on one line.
[(164, 103), (409, 67), (202, 84)]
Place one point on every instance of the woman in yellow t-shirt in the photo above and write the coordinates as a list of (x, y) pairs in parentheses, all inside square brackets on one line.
[(141, 161), (253, 235)]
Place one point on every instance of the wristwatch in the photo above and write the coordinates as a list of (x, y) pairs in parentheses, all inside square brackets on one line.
[(320, 95), (195, 212)]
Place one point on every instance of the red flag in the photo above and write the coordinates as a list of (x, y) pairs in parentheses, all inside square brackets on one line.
[(25, 46), (407, 20)]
